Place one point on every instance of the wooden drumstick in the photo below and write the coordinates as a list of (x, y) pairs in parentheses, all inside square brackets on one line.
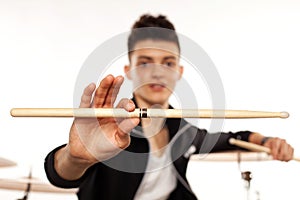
[(143, 113), (252, 146)]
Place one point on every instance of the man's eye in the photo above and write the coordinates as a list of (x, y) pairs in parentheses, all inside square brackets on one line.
[(144, 64), (170, 64)]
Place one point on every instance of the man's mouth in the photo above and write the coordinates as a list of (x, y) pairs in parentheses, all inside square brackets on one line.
[(157, 86)]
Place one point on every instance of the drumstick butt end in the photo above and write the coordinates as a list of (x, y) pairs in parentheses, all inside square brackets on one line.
[(231, 141), (12, 112)]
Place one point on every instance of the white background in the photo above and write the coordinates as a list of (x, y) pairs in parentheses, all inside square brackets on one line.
[(253, 44)]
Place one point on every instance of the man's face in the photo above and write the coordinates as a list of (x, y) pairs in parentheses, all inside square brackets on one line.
[(154, 70)]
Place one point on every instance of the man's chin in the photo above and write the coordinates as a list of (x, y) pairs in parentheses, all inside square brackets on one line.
[(157, 102)]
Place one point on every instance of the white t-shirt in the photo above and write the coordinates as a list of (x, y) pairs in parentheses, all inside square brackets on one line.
[(159, 179)]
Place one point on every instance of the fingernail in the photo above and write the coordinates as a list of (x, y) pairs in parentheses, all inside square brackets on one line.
[(130, 105)]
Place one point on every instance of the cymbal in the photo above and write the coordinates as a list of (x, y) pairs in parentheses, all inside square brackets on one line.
[(232, 156), (6, 163), (36, 186)]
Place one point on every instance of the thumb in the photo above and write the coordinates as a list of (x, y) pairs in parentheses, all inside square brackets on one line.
[(126, 125), (124, 128)]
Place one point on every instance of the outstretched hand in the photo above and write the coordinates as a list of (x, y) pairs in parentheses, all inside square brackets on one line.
[(98, 139)]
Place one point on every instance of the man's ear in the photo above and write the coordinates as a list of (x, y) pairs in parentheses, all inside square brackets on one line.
[(181, 69), (127, 69)]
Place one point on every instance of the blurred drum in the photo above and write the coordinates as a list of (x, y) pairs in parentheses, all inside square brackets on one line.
[(6, 163), (35, 186), (232, 156)]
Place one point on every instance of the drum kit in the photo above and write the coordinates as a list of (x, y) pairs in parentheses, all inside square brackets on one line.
[(237, 156), (32, 184), (28, 184)]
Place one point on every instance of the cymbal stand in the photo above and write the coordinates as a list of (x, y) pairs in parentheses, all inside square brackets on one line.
[(247, 177), (27, 191)]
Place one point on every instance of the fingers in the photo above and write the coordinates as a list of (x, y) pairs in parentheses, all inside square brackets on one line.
[(280, 149), (126, 125), (114, 91), (127, 104), (107, 91), (285, 151), (87, 96), (105, 94)]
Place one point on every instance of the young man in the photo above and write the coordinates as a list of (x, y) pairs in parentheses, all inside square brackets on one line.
[(135, 158)]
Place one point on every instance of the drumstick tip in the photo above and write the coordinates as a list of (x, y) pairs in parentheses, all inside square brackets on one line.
[(284, 115)]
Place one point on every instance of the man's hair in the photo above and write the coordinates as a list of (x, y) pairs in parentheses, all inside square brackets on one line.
[(154, 28)]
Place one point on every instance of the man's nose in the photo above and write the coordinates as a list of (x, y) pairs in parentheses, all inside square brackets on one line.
[(157, 70)]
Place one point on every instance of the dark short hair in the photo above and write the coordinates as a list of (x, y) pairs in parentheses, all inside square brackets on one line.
[(150, 27)]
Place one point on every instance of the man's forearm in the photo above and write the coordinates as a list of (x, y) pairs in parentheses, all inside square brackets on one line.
[(256, 138)]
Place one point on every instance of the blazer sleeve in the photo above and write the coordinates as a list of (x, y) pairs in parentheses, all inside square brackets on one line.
[(53, 176), (213, 142)]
